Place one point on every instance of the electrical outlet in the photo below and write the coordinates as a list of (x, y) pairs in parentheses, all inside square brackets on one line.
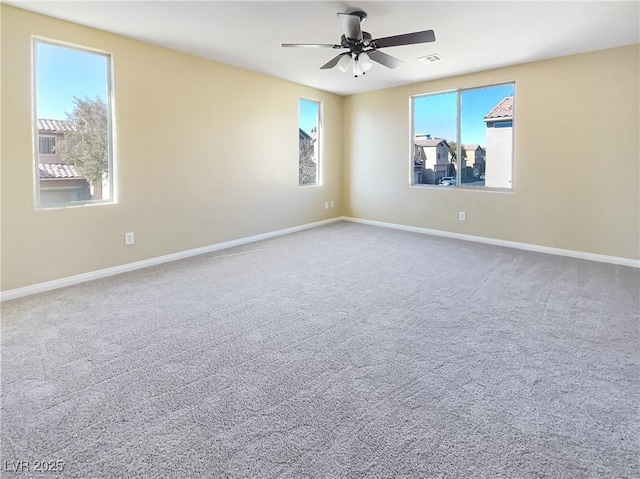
[(332, 204), (326, 205), (129, 239), (462, 216)]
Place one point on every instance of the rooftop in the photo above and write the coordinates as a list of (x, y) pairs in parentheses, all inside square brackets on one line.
[(303, 135), (502, 110), (54, 126), (429, 141), (58, 170)]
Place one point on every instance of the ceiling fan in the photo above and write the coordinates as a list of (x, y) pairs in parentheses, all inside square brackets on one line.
[(362, 47)]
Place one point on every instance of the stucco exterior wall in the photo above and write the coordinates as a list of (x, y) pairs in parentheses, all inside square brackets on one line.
[(498, 167)]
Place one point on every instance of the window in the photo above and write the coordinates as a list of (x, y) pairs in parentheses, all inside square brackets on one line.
[(73, 125), (47, 145), (464, 137), (308, 142)]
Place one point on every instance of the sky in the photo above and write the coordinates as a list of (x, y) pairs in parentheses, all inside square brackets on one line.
[(308, 115), (436, 114), (63, 73)]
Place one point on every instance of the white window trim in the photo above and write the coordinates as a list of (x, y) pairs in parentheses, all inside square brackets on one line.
[(111, 124), (319, 140), (463, 186)]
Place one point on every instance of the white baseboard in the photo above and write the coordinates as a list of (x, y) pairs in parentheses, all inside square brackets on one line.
[(634, 263), (103, 273)]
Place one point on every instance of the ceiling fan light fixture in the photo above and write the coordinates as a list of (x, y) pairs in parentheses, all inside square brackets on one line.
[(357, 68), (365, 62), (344, 63)]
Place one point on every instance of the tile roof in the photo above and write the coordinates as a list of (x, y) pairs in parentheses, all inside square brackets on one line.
[(58, 170), (429, 142), (54, 126), (471, 147), (504, 109), (303, 135)]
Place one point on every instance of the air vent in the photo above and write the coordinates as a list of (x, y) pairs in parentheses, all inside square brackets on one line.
[(434, 57)]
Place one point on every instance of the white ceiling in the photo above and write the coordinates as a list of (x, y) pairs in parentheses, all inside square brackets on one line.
[(471, 36)]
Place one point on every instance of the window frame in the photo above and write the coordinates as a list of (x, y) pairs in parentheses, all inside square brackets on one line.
[(319, 142), (111, 124), (459, 185), (55, 140)]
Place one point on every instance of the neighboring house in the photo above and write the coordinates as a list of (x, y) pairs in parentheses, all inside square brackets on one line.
[(476, 156), (431, 160), (308, 173), (59, 182), (306, 138), (303, 135), (499, 123)]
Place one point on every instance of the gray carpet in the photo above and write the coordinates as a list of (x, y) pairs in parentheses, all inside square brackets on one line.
[(346, 351)]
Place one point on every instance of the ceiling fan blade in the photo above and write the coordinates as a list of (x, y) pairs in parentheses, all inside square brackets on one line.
[(312, 45), (351, 26), (384, 59), (406, 39), (333, 62)]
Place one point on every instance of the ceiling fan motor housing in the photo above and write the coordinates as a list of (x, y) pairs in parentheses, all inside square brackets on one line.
[(356, 46), (360, 14)]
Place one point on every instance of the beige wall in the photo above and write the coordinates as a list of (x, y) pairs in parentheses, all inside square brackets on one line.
[(187, 176), (577, 158), (206, 153)]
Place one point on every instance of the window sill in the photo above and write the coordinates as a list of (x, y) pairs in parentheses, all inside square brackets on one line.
[(75, 205), (484, 189)]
